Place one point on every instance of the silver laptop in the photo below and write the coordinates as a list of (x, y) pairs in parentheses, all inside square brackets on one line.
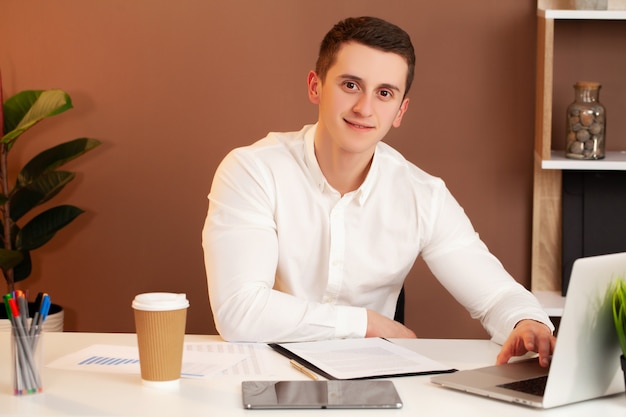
[(585, 363)]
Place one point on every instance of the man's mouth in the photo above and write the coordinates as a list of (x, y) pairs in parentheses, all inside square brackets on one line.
[(357, 125)]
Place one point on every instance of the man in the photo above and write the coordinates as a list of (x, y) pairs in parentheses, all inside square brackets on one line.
[(310, 234)]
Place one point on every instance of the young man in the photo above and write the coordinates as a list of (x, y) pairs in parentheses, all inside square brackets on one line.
[(310, 234)]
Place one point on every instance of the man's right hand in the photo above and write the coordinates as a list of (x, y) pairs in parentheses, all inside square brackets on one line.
[(381, 326)]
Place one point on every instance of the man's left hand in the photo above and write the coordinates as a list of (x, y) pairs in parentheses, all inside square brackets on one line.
[(528, 336)]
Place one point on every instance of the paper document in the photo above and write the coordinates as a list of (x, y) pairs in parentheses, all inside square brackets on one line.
[(359, 358), (200, 360), (255, 356)]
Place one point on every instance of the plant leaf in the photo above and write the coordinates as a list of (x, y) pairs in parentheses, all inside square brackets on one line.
[(619, 311), (44, 226), (9, 258), (52, 158), (42, 189), (27, 108), (23, 269)]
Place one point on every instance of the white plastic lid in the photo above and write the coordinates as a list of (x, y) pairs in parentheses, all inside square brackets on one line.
[(160, 301)]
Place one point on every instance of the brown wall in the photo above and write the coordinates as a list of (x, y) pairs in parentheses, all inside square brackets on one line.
[(171, 86)]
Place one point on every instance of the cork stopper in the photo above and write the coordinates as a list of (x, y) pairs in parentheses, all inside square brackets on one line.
[(587, 84)]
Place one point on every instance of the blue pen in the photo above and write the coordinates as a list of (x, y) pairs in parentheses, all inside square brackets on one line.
[(45, 307), (41, 314)]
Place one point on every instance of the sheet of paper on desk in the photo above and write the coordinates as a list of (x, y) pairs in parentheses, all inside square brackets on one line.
[(254, 363), (361, 358), (200, 360)]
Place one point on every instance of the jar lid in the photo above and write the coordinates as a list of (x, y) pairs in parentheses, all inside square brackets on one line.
[(587, 84)]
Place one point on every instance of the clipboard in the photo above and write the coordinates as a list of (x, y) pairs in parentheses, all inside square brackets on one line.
[(322, 357)]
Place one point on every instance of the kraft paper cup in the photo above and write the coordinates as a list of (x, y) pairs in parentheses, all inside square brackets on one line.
[(160, 320)]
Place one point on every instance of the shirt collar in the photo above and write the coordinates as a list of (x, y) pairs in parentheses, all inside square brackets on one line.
[(361, 193)]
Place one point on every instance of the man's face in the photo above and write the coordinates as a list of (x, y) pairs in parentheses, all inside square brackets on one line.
[(360, 98)]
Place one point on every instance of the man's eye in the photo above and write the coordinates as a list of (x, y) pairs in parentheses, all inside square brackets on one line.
[(385, 94), (350, 85)]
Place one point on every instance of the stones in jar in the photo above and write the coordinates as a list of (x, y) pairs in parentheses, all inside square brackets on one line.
[(586, 123)]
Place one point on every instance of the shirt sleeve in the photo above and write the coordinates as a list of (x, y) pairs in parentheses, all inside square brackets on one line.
[(473, 275), (241, 256)]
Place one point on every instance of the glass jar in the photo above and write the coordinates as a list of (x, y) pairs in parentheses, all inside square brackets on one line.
[(586, 123)]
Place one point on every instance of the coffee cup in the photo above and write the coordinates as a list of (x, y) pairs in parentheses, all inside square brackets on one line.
[(160, 320)]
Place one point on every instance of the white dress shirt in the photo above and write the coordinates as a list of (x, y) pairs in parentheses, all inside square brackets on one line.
[(290, 259)]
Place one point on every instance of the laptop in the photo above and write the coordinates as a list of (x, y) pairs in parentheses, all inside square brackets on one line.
[(585, 363)]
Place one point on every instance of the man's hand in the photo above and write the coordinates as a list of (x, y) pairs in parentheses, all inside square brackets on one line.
[(381, 326), (528, 336)]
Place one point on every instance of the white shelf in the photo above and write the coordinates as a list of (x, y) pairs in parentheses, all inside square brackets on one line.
[(582, 14), (613, 161), (551, 301)]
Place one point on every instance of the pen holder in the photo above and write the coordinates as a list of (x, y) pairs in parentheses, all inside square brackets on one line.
[(27, 361)]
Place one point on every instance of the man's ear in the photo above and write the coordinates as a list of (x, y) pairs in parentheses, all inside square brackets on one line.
[(314, 86), (401, 111)]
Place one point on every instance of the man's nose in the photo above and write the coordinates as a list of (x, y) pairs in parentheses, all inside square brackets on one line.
[(363, 105)]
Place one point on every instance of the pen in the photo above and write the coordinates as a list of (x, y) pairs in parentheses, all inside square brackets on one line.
[(302, 369), (18, 382), (34, 324)]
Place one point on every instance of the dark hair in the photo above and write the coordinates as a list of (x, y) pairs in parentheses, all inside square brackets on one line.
[(370, 31)]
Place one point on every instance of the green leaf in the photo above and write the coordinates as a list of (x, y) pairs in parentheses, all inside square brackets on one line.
[(54, 157), (23, 269), (27, 108), (42, 189), (619, 311), (43, 227), (9, 258)]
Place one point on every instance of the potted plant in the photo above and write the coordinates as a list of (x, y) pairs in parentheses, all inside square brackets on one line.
[(21, 229), (619, 317)]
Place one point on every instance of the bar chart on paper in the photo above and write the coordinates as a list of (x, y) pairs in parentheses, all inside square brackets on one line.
[(107, 361), (200, 360), (101, 358)]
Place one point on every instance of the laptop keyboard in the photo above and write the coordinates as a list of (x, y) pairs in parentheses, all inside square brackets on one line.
[(535, 386)]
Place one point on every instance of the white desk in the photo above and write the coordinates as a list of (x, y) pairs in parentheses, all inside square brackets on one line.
[(76, 393)]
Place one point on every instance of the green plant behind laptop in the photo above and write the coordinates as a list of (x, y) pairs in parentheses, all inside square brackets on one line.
[(619, 311)]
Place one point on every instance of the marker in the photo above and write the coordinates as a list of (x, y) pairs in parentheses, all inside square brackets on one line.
[(45, 307), (34, 324), (6, 298), (302, 369), (19, 384)]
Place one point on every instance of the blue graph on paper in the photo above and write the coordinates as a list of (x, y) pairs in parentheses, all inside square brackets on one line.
[(103, 360), (200, 360)]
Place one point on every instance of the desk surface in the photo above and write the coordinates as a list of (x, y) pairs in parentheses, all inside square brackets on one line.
[(76, 393)]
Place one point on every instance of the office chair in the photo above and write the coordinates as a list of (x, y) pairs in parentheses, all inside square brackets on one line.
[(399, 315)]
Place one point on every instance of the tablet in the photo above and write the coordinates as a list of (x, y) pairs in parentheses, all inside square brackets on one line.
[(376, 393)]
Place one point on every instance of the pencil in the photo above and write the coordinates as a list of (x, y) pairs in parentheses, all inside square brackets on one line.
[(304, 370)]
